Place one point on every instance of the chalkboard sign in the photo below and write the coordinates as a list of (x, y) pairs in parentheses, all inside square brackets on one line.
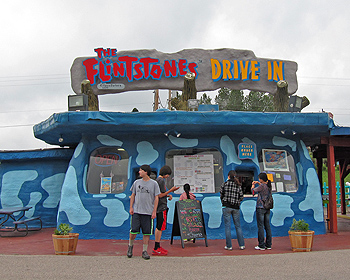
[(188, 221)]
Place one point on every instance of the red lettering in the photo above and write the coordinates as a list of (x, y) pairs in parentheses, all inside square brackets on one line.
[(139, 73), (146, 61), (106, 159), (170, 68), (99, 52), (129, 60), (114, 52), (105, 75), (118, 69), (192, 68), (107, 52), (182, 66), (98, 159), (156, 72), (128, 66), (91, 72)]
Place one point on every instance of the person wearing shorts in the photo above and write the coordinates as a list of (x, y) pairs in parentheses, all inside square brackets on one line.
[(162, 209), (143, 209)]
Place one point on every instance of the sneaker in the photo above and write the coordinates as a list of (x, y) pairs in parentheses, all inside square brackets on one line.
[(145, 255), (163, 250), (159, 252), (268, 248), (228, 248), (259, 248), (129, 253), (242, 247)]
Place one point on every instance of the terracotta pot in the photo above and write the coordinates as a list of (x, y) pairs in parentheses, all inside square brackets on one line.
[(301, 241), (65, 244)]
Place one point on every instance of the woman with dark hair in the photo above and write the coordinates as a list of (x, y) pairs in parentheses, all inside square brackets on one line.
[(231, 196), (187, 194), (262, 215)]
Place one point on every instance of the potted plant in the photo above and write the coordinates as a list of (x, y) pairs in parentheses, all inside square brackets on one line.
[(301, 238), (65, 242)]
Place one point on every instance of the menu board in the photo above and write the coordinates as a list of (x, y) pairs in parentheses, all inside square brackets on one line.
[(196, 170), (188, 221)]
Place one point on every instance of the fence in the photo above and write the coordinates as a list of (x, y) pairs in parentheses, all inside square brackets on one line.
[(347, 194)]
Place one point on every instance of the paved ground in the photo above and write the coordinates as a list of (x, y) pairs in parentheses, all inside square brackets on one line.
[(32, 257), (310, 265)]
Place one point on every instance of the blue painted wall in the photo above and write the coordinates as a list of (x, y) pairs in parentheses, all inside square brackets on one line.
[(106, 215), (54, 184), (34, 179)]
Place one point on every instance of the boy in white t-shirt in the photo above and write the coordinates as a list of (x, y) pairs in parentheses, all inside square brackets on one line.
[(143, 209)]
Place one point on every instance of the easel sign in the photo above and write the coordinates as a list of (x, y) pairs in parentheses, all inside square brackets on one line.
[(188, 221)]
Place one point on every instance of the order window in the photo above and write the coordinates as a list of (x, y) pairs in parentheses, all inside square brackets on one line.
[(108, 170)]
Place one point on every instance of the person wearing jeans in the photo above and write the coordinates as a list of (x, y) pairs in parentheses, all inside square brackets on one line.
[(263, 221), (231, 195), (262, 215), (227, 213)]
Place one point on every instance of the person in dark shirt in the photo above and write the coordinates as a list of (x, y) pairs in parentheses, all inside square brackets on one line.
[(231, 195), (162, 209)]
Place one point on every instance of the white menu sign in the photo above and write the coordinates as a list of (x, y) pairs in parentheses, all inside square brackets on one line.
[(196, 170)]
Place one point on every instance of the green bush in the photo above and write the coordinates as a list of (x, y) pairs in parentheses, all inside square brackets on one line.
[(300, 225), (63, 229)]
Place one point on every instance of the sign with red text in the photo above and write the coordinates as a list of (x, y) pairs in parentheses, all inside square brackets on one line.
[(113, 71)]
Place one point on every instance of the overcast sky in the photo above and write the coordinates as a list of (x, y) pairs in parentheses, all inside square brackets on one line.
[(41, 39)]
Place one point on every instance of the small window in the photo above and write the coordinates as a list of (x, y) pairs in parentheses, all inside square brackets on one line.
[(280, 168), (201, 168), (108, 170)]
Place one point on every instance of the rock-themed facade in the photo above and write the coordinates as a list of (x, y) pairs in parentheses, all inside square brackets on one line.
[(65, 193)]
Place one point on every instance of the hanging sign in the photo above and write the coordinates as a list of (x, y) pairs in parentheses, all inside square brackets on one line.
[(112, 71)]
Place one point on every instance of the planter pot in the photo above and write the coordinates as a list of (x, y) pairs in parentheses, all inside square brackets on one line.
[(65, 244), (301, 241)]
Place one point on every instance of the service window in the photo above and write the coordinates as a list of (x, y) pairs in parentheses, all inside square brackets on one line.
[(108, 170), (201, 168), (280, 168)]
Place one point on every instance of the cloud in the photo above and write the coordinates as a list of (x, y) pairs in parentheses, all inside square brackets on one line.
[(42, 38)]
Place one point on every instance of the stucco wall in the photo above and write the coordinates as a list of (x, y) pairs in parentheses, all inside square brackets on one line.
[(106, 215), (34, 182)]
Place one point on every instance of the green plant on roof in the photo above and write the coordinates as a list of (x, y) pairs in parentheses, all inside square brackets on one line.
[(63, 229), (299, 225)]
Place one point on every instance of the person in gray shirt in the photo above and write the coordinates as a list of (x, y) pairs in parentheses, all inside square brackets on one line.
[(143, 209)]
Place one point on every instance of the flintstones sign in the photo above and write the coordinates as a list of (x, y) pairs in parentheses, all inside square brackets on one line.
[(113, 71)]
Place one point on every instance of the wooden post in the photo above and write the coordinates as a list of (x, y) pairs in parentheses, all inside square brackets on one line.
[(319, 162), (169, 100), (156, 100), (332, 189), (343, 172), (189, 91), (85, 88), (281, 97)]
